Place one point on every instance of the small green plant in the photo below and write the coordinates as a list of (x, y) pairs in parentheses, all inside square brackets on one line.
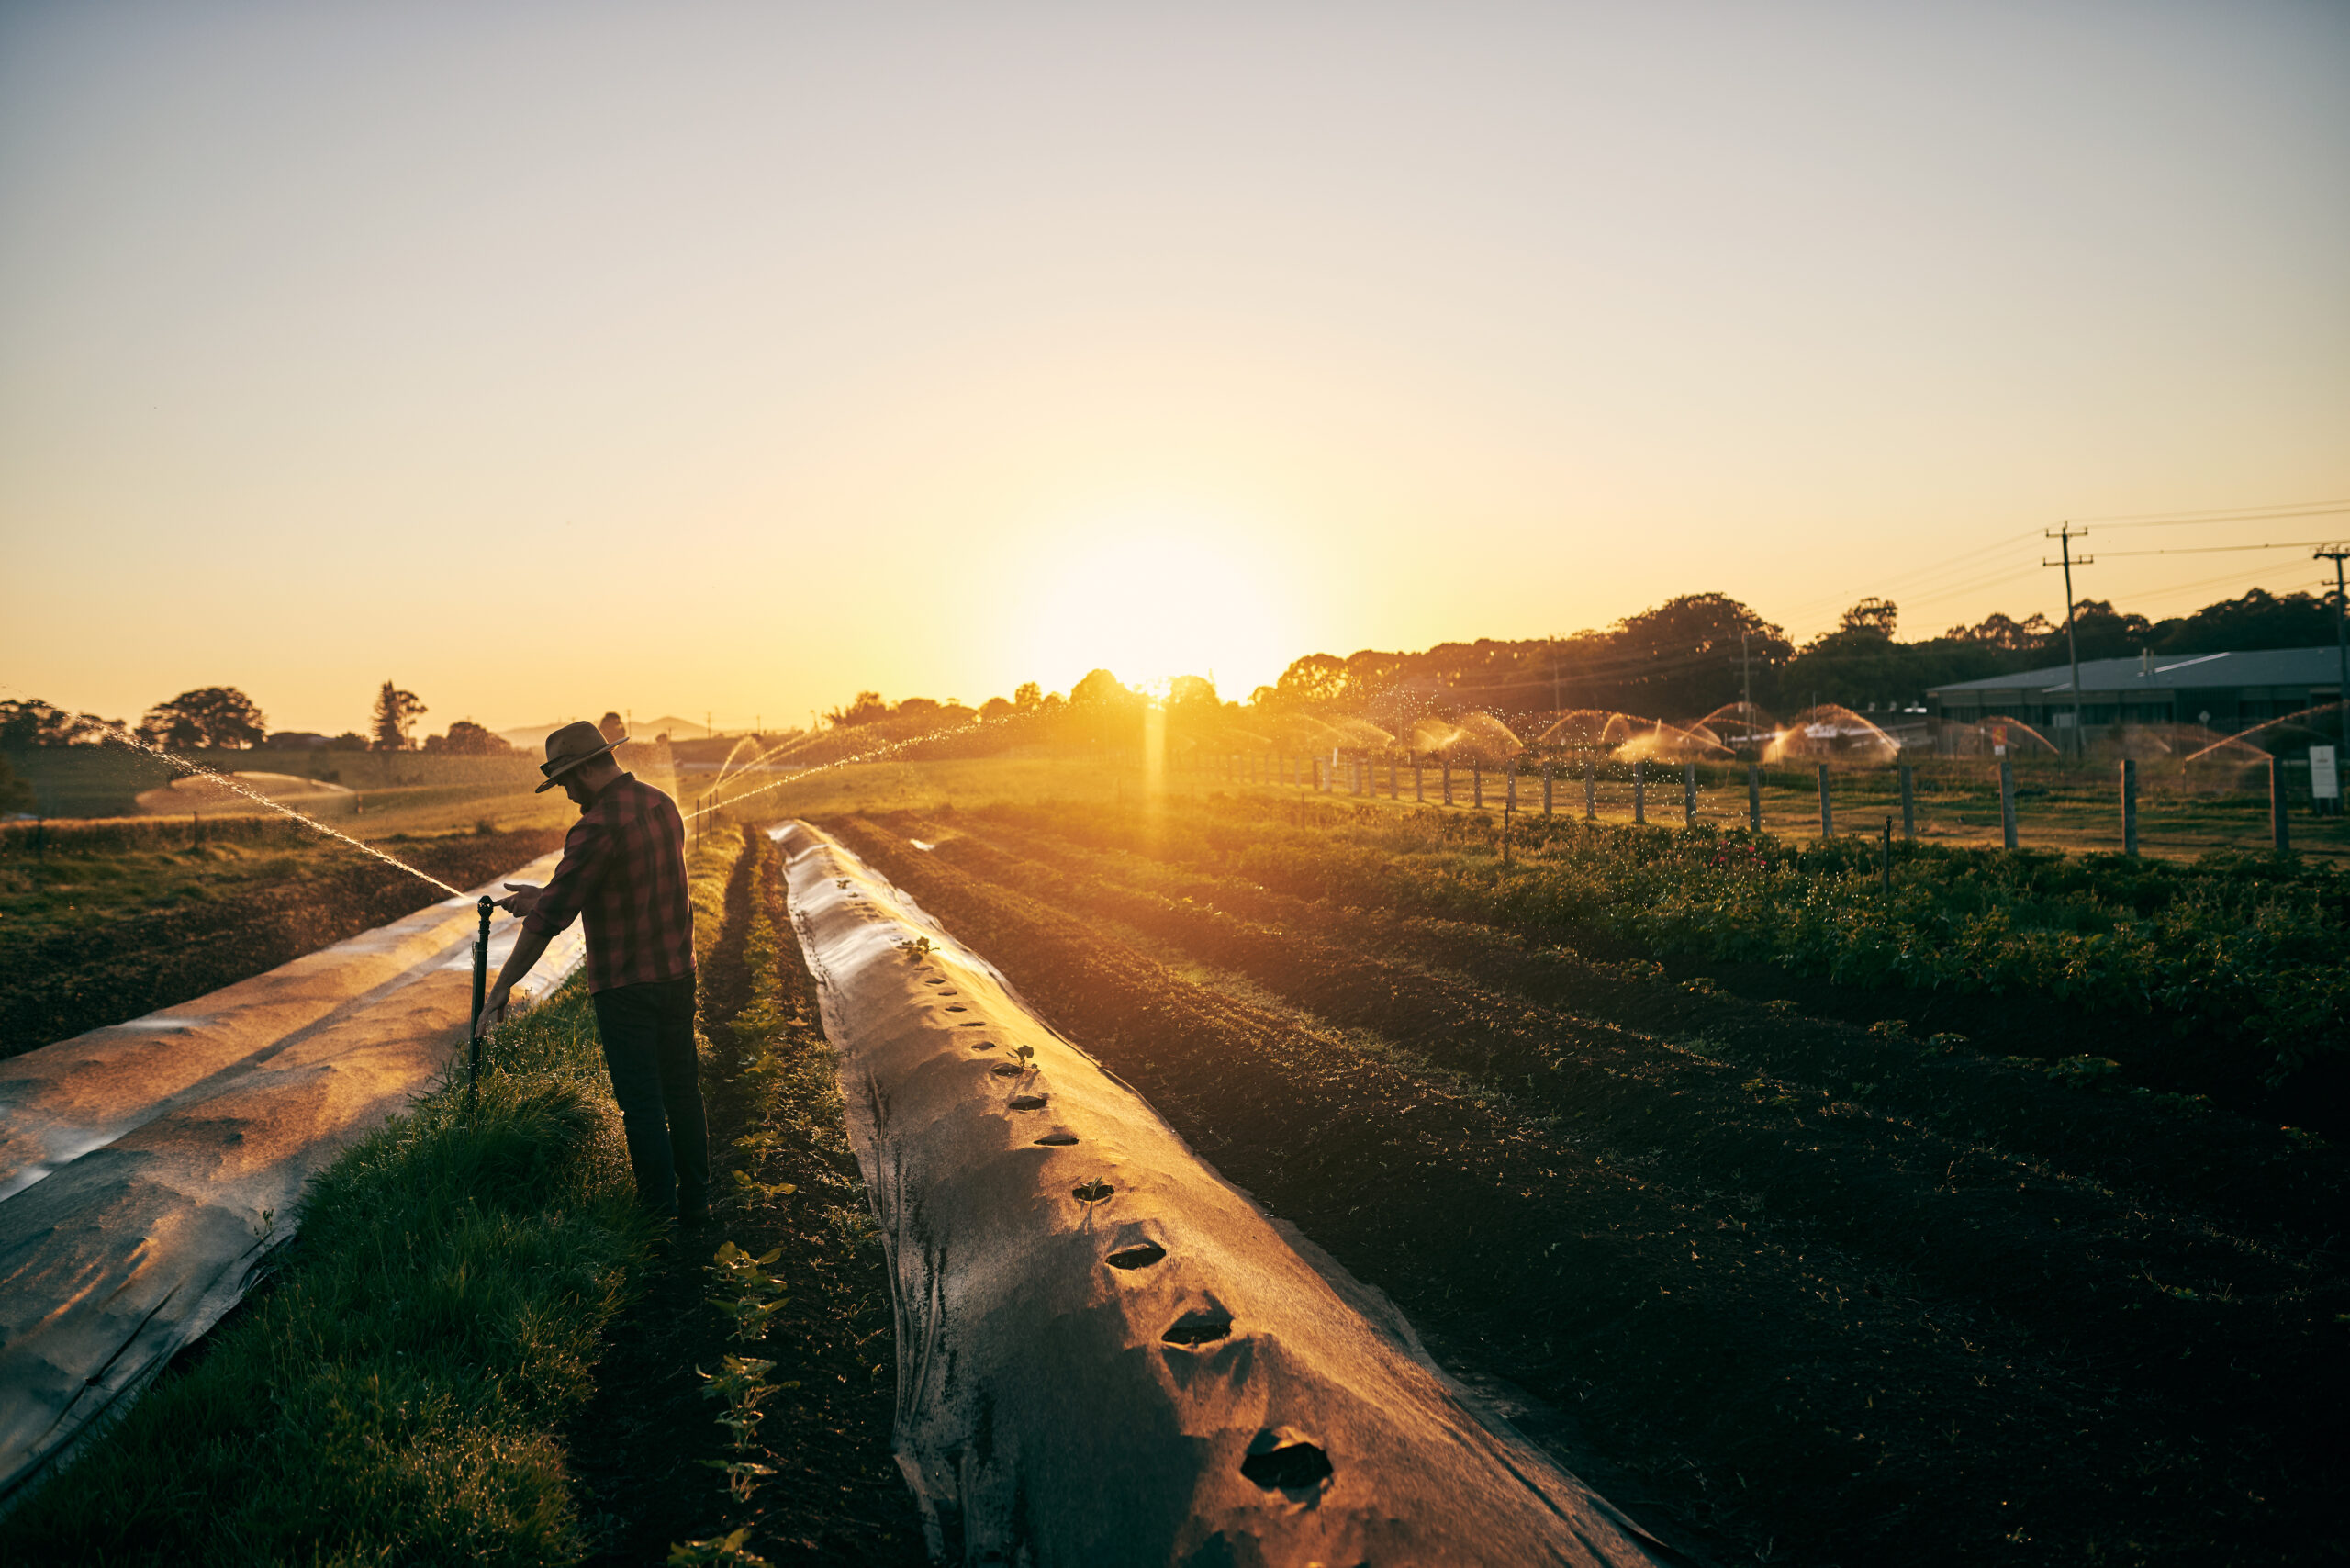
[(742, 1383), (1700, 985), (1025, 1054), (723, 1551), (1945, 1043), (1779, 1006), (1895, 1029), (754, 1296), (917, 948)]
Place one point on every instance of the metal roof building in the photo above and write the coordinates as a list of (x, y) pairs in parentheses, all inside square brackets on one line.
[(2220, 691)]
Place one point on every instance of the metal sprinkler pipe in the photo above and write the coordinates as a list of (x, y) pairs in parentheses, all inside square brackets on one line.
[(481, 993)]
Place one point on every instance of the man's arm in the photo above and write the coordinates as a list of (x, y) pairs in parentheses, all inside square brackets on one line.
[(528, 946)]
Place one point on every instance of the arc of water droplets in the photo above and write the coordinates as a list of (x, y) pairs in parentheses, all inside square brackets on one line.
[(837, 762), (227, 781)]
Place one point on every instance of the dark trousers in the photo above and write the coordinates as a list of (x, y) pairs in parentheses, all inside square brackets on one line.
[(648, 1033)]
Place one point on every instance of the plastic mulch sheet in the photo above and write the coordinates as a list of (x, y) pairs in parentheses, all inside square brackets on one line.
[(1106, 1352), (148, 1167)]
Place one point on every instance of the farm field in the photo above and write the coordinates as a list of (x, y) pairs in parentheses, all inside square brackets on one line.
[(1789, 1266), (1817, 1293)]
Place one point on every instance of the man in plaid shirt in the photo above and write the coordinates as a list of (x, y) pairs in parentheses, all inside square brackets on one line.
[(624, 870)]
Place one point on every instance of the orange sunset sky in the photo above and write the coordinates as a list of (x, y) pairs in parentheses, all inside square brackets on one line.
[(731, 358)]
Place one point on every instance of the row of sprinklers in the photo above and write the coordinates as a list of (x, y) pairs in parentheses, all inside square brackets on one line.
[(1744, 732)]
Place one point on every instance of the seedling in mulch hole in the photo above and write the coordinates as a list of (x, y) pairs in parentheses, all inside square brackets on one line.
[(1093, 1192), (1025, 1055), (720, 1551), (1890, 1029), (1945, 1043), (742, 1383), (916, 948), (1700, 985), (2085, 1072), (755, 1296), (1780, 1005)]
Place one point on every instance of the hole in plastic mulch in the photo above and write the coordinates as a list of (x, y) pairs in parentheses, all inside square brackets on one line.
[(1091, 1192), (1005, 1069), (1027, 1102), (1280, 1459), (958, 1007), (1058, 1140), (1141, 1257), (974, 1024), (983, 1045), (1201, 1326)]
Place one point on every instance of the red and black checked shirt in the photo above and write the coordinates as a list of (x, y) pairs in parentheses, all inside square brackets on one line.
[(624, 868)]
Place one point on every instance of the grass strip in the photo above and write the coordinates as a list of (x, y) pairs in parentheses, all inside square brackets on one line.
[(392, 1396), (394, 1393)]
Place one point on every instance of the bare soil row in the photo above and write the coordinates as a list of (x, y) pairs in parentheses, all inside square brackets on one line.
[(1809, 1320), (640, 1451)]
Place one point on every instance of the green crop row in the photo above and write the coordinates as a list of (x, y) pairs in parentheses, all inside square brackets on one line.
[(2250, 948)]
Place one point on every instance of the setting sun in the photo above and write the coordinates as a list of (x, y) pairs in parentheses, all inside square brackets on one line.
[(1151, 595)]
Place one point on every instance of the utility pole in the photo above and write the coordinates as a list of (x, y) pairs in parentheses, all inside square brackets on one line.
[(2065, 534), (2335, 553), (1554, 672)]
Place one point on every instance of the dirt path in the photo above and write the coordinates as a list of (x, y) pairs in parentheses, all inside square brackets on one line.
[(639, 1448), (1819, 1330)]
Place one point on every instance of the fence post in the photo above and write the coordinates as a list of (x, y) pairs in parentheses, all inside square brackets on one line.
[(2278, 813), (1885, 860), (1590, 791), (1546, 789), (1827, 810), (1477, 784), (2129, 805), (1640, 790), (1419, 782), (1908, 803), (1393, 791), (2008, 801), (1753, 797), (1689, 794), (1510, 797), (1448, 780)]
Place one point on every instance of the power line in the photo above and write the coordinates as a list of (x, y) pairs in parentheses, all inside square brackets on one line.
[(2219, 549), (2222, 514)]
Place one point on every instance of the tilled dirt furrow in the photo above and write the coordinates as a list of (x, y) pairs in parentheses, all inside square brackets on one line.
[(2071, 1261), (1761, 1387), (2233, 1173)]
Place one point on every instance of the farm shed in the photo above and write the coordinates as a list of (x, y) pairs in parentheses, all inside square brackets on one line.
[(2225, 692)]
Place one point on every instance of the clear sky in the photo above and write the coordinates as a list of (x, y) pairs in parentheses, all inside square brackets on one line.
[(680, 357)]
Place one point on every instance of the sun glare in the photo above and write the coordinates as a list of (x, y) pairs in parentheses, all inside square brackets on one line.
[(1148, 602)]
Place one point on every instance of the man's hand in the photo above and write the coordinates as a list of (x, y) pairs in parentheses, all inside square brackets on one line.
[(521, 898), (493, 1010)]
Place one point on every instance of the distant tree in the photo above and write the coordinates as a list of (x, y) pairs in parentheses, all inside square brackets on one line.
[(466, 738), (1316, 678), (2104, 632), (868, 709), (1099, 689), (350, 740), (2029, 635), (1873, 616), (1264, 697), (395, 718), (208, 716), (33, 722), (15, 795), (1027, 694), (915, 708), (996, 707), (2257, 619), (1192, 696)]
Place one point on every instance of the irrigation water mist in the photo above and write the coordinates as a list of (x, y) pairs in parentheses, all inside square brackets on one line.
[(229, 781)]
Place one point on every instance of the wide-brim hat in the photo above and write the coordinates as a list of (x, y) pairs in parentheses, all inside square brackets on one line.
[(568, 747)]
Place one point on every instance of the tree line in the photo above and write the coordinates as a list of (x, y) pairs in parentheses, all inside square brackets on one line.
[(224, 718)]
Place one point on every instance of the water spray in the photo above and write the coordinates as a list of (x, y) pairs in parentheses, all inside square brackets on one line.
[(228, 781)]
